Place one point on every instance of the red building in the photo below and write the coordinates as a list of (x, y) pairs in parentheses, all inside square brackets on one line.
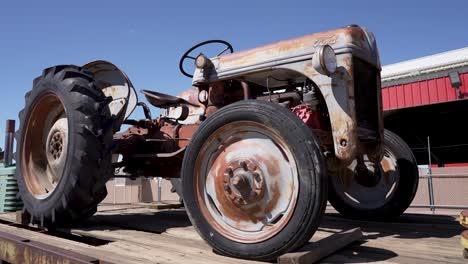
[(427, 97)]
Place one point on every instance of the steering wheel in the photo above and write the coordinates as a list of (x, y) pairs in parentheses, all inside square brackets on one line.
[(187, 53)]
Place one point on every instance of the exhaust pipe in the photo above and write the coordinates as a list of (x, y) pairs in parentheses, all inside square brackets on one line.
[(9, 139)]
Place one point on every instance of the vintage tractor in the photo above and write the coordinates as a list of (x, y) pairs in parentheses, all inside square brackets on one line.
[(260, 142)]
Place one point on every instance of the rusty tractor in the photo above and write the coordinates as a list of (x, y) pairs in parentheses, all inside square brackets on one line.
[(255, 148)]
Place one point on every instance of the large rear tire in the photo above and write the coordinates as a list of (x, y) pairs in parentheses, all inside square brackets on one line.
[(63, 151), (254, 181), (386, 190)]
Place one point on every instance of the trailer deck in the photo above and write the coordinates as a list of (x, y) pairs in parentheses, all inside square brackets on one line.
[(138, 234)]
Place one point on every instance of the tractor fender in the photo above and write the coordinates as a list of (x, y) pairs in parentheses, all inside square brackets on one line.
[(115, 84)]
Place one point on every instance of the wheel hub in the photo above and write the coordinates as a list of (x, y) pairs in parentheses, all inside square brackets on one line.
[(247, 179), (365, 184), (368, 174), (243, 183), (56, 149), (55, 146), (56, 143)]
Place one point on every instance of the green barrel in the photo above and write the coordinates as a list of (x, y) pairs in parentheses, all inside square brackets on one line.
[(8, 190)]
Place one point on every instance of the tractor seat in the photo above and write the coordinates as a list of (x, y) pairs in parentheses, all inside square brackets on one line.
[(164, 100)]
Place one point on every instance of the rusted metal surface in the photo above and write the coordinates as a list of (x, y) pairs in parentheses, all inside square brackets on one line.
[(15, 249), (194, 106), (185, 134), (338, 93), (246, 178), (10, 126), (342, 40), (114, 83), (338, 89), (246, 89), (243, 183), (353, 40), (290, 99), (164, 100), (9, 140), (197, 108), (47, 126), (152, 148)]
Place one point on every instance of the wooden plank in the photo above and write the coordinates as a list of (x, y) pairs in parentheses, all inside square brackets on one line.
[(193, 251), (16, 249), (162, 205), (22, 218), (322, 248), (167, 237), (100, 253)]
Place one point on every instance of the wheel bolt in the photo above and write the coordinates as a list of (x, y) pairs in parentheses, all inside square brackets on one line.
[(243, 164), (343, 143), (228, 174), (257, 177)]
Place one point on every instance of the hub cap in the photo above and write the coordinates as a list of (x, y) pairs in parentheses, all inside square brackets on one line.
[(243, 183), (45, 146), (247, 182)]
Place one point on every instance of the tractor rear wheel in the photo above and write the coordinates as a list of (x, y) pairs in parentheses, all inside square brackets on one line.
[(63, 151), (254, 181)]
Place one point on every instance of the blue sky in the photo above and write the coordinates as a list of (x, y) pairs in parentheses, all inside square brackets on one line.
[(147, 38)]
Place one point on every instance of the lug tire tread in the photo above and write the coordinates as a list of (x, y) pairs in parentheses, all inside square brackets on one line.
[(90, 162)]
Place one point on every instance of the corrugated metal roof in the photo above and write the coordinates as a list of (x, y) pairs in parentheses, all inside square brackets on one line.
[(428, 65)]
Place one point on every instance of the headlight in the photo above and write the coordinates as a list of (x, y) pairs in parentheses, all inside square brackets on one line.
[(324, 60), (200, 61)]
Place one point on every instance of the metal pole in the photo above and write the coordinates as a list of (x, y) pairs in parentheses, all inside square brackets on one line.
[(113, 200), (429, 177), (9, 139), (159, 189)]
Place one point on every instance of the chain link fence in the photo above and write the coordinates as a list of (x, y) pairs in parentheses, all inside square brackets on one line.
[(441, 188), (442, 191)]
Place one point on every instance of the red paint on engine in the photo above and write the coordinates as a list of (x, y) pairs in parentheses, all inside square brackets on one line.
[(307, 115)]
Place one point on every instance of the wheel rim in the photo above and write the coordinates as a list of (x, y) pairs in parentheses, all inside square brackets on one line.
[(45, 146), (246, 182), (372, 193)]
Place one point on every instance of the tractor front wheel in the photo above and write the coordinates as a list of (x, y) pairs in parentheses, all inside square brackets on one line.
[(379, 191), (254, 181)]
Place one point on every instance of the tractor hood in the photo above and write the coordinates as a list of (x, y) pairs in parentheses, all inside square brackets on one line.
[(351, 39)]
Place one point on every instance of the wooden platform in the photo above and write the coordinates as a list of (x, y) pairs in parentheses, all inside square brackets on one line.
[(137, 234)]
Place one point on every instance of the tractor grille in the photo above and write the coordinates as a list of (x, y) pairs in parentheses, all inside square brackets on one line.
[(367, 99)]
